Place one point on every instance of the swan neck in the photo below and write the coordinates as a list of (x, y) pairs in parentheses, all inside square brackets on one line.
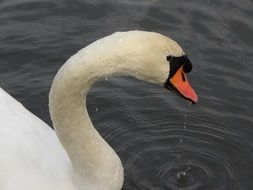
[(93, 160)]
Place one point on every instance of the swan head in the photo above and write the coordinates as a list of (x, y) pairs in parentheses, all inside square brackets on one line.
[(148, 56), (163, 62), (177, 80)]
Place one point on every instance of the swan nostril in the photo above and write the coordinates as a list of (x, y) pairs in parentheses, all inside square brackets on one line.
[(183, 77)]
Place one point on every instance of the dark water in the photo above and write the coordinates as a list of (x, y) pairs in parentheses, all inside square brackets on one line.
[(164, 144)]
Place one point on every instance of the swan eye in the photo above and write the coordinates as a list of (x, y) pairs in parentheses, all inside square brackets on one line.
[(169, 58)]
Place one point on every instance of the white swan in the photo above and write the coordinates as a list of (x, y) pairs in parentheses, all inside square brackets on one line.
[(31, 156)]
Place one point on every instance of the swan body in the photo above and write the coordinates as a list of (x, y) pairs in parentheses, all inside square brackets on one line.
[(31, 155), (75, 156)]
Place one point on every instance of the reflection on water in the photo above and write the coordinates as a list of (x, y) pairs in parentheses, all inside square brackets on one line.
[(163, 142)]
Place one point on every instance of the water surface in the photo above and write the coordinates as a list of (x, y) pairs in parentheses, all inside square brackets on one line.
[(164, 144)]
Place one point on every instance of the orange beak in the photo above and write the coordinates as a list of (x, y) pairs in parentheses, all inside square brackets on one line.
[(182, 86)]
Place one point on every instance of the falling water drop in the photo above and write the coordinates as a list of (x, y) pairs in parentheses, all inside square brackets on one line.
[(181, 140), (184, 120)]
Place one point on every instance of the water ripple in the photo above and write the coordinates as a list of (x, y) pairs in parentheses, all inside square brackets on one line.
[(163, 144)]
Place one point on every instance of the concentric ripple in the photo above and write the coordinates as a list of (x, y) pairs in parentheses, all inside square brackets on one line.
[(171, 161), (189, 151), (163, 144)]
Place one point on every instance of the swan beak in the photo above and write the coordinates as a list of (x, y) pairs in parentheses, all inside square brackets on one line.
[(180, 84)]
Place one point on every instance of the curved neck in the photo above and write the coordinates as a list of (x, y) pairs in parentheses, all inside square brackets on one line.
[(94, 161)]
